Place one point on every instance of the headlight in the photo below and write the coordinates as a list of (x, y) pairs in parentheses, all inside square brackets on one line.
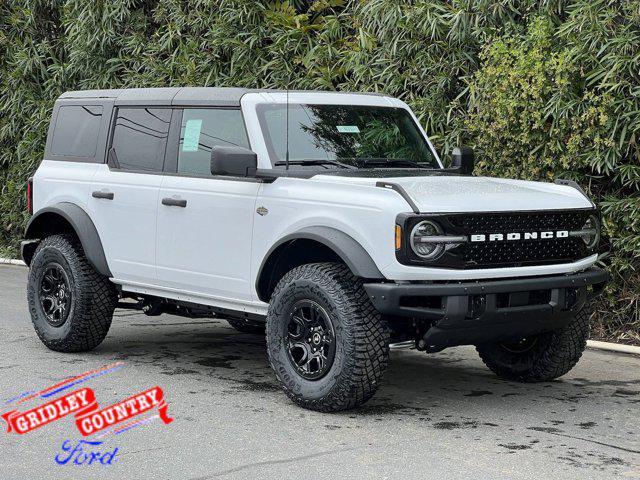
[(425, 240), (590, 232)]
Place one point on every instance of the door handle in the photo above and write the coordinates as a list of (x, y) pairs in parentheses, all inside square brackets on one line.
[(102, 194), (174, 202)]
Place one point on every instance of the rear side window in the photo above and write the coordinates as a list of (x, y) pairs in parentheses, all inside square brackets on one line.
[(204, 128), (76, 131), (140, 138)]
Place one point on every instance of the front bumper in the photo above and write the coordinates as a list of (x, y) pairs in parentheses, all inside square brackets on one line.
[(470, 313)]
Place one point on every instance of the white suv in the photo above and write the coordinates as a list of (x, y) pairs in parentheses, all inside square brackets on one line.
[(328, 217)]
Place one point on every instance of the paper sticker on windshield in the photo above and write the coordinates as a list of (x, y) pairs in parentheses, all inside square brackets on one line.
[(348, 128), (192, 135)]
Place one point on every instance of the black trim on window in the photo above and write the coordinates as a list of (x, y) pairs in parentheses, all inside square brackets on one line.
[(173, 143)]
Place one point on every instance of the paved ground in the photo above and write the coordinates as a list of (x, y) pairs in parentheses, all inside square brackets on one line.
[(438, 416)]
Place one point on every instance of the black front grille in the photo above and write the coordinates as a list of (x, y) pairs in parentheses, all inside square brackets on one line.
[(539, 252), (519, 252), (505, 253), (520, 221)]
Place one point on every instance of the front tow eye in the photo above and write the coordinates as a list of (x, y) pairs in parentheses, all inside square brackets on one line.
[(477, 306)]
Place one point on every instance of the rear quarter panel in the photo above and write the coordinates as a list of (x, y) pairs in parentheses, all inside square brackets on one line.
[(58, 181)]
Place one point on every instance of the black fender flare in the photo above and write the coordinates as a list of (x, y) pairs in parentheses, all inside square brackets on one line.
[(81, 224), (346, 247)]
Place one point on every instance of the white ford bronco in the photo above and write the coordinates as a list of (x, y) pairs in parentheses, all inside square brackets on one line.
[(326, 219)]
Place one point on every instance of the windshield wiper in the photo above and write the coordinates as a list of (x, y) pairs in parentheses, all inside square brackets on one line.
[(314, 162), (389, 161)]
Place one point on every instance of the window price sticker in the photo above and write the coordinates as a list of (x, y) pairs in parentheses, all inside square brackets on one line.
[(192, 135)]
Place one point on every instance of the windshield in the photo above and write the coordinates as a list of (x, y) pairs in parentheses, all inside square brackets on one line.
[(344, 136)]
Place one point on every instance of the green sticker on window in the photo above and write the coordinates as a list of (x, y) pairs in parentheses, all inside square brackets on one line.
[(348, 129), (192, 135)]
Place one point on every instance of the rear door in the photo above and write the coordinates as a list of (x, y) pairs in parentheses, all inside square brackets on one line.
[(205, 223), (125, 191)]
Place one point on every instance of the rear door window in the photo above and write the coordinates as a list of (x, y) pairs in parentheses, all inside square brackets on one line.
[(140, 139), (204, 128), (76, 131)]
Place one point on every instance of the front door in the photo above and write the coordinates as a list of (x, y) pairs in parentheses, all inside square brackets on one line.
[(205, 223)]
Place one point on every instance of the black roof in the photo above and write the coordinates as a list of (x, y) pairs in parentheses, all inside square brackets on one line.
[(217, 96)]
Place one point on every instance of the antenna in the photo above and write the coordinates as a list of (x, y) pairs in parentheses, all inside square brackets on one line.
[(286, 135)]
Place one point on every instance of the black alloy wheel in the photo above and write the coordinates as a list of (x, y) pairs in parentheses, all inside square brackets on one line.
[(327, 344), (310, 340), (55, 294)]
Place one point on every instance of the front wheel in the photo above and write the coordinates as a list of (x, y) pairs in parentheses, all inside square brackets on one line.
[(541, 357), (327, 344)]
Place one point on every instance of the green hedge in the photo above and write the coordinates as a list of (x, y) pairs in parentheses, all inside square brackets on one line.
[(540, 89)]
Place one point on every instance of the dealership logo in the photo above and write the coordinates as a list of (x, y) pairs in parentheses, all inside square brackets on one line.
[(89, 418), (82, 405), (517, 236)]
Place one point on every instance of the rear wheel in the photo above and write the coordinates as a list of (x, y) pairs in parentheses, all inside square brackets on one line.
[(327, 344), (71, 304), (541, 357)]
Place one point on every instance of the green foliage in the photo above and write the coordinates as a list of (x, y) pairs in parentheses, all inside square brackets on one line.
[(540, 88), (507, 121), (539, 108)]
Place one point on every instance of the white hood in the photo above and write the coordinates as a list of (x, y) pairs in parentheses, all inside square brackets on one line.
[(434, 194)]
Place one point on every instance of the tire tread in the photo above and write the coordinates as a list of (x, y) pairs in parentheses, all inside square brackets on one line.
[(96, 299), (364, 370), (562, 351)]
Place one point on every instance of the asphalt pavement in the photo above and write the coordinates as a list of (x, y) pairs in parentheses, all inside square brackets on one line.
[(441, 416)]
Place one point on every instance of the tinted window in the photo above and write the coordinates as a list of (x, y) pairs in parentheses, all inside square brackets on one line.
[(140, 138), (76, 131), (203, 129)]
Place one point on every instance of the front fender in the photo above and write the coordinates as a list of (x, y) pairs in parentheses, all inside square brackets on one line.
[(349, 250)]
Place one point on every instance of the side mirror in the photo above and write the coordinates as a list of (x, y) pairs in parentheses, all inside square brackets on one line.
[(233, 161), (462, 158)]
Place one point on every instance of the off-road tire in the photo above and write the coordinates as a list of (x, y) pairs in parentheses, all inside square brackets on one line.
[(361, 338), (552, 355), (93, 297), (247, 327)]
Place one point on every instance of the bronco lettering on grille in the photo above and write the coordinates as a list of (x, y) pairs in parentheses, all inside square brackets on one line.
[(517, 236)]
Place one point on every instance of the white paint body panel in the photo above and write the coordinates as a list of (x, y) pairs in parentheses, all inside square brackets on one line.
[(56, 182), (206, 247), (444, 194), (127, 224), (364, 213)]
